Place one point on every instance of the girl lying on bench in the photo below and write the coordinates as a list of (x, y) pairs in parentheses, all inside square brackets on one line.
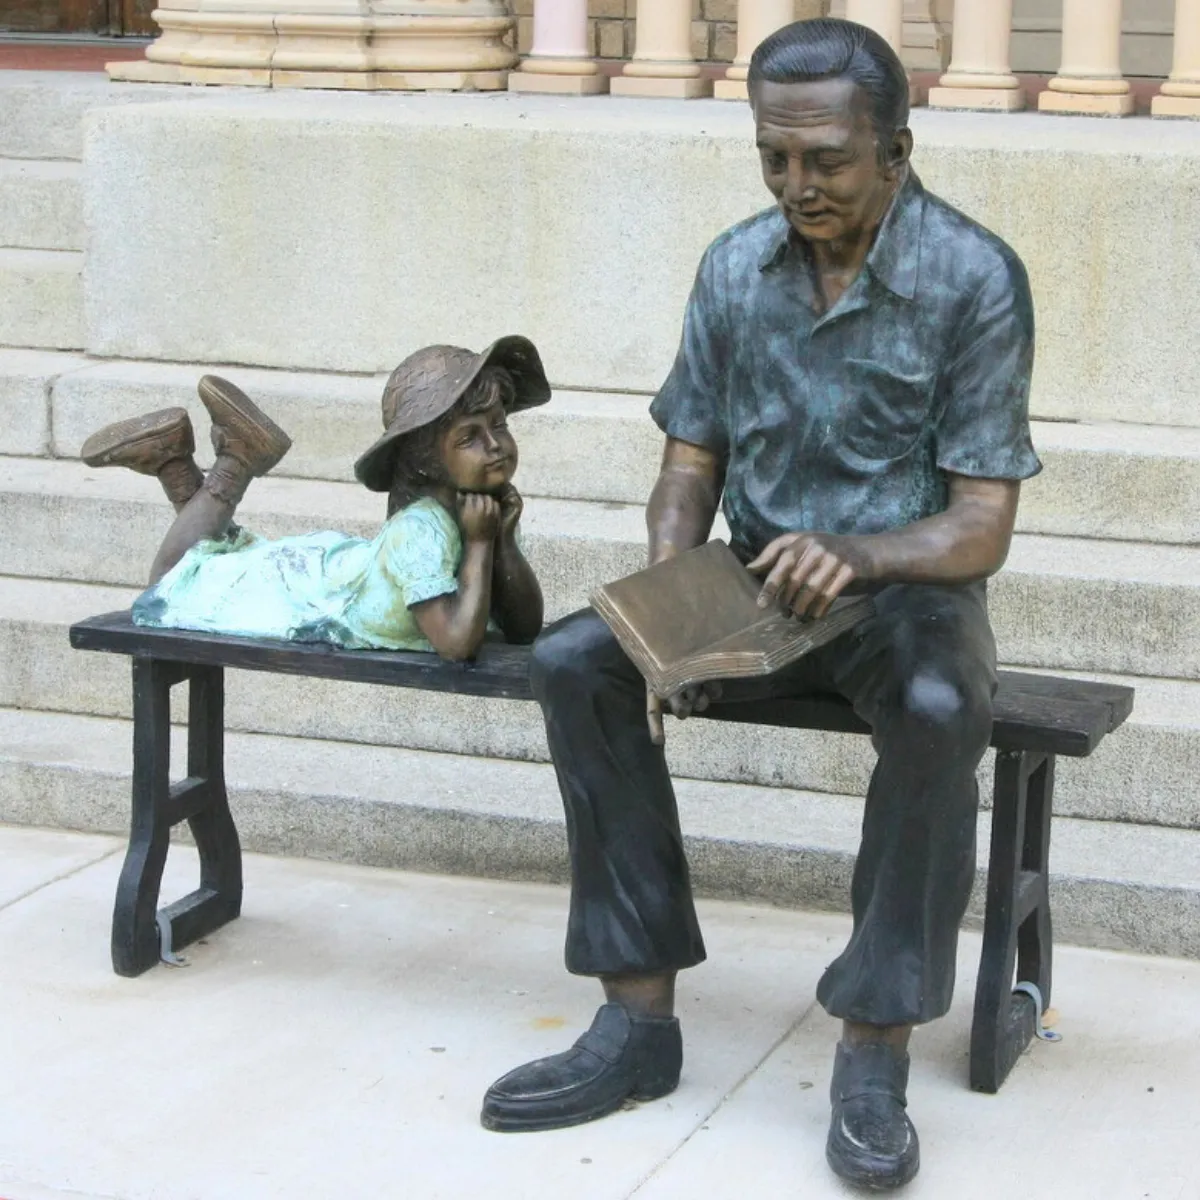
[(445, 568)]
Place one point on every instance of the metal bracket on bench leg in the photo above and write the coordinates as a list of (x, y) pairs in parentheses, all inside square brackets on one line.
[(1017, 934), (142, 934)]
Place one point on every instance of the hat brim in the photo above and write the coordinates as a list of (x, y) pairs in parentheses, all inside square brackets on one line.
[(516, 354)]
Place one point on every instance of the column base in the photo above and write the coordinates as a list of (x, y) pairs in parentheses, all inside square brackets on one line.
[(978, 99), (559, 85), (1175, 106), (140, 71), (691, 88), (1086, 103), (143, 71), (730, 89)]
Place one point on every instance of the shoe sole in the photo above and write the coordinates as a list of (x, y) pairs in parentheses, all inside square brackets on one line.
[(515, 1123), (214, 390), (136, 431)]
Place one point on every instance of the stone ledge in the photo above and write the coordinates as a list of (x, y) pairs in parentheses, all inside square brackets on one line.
[(190, 269)]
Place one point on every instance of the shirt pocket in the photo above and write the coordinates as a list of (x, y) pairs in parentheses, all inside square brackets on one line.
[(887, 407)]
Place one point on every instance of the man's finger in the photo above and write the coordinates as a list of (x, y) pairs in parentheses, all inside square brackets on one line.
[(838, 584), (805, 599), (654, 719), (766, 559), (774, 581), (798, 577)]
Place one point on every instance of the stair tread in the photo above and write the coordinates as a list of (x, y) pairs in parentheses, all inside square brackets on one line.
[(454, 784), (1038, 554)]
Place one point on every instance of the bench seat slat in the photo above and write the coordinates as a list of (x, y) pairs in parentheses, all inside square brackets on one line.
[(1032, 712)]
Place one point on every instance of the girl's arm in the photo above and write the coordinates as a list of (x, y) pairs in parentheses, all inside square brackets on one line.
[(516, 594), (455, 624)]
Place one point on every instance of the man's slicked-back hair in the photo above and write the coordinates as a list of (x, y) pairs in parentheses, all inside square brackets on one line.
[(831, 49)]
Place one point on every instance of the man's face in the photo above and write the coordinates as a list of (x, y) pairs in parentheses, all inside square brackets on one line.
[(820, 158), (479, 452)]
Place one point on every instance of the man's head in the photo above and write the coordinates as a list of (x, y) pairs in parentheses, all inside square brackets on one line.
[(830, 102)]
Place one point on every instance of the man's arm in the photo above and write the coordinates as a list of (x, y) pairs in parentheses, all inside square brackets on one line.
[(683, 504), (966, 542), (679, 517)]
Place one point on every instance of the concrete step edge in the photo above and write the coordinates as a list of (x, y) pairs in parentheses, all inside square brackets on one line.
[(1121, 886)]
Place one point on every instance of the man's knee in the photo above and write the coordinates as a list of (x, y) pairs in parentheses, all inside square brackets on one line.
[(954, 711)]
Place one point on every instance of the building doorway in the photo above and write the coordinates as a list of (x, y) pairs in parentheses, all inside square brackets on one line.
[(96, 18)]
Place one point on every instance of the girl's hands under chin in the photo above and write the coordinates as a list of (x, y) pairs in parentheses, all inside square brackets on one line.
[(479, 515), (511, 507)]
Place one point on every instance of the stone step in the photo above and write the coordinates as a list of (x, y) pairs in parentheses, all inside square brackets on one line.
[(1122, 886), (41, 299), (41, 204), (27, 380), (1123, 481), (1143, 773), (1064, 603), (41, 112)]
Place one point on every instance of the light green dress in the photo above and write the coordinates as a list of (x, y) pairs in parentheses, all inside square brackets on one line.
[(319, 587)]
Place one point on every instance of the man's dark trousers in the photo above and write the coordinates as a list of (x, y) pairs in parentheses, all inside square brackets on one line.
[(921, 672)]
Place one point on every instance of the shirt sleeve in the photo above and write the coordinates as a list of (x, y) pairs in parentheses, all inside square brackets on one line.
[(690, 405), (983, 431), (420, 553)]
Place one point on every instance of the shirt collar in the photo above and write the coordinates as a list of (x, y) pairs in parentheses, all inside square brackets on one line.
[(895, 257)]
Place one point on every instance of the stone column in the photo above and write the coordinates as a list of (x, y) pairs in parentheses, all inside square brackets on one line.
[(1090, 80), (979, 75), (559, 61), (886, 17), (387, 44), (1180, 95), (757, 20), (662, 63)]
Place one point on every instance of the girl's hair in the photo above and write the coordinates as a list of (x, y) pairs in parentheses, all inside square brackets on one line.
[(416, 464)]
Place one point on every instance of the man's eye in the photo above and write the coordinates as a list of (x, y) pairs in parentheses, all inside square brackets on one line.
[(776, 162)]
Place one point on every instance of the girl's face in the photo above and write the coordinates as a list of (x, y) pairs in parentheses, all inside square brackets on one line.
[(478, 452)]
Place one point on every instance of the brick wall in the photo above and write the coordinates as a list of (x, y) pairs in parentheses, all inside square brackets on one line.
[(611, 26)]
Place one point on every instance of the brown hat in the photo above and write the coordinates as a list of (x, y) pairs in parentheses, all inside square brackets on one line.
[(429, 383)]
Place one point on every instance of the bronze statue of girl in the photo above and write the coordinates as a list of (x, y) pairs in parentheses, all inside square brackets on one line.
[(447, 565)]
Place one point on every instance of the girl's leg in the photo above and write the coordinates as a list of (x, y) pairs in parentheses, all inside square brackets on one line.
[(247, 443), (158, 443)]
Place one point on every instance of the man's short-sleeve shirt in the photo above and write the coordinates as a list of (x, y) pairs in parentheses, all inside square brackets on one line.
[(848, 422)]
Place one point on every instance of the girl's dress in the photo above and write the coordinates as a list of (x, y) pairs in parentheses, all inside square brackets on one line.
[(319, 587)]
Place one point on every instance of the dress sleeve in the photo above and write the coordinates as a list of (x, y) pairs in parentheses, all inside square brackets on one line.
[(420, 553), (690, 405), (983, 431)]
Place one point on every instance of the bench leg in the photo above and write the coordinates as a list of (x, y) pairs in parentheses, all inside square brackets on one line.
[(134, 929), (1017, 933), (200, 799)]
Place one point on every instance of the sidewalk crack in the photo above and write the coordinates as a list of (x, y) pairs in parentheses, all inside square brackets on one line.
[(59, 878), (658, 1167)]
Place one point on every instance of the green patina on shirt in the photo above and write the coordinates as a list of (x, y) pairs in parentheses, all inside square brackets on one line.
[(318, 587), (849, 421)]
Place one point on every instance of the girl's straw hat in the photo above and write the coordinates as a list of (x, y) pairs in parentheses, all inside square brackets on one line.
[(430, 383)]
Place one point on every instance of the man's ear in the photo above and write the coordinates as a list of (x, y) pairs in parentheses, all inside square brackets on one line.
[(900, 151)]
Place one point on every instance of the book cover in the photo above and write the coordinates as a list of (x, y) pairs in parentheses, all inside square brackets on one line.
[(695, 618)]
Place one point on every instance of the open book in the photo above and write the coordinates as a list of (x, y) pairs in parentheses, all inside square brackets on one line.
[(695, 617)]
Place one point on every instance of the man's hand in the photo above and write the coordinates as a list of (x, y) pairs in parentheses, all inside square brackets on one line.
[(682, 704), (806, 572)]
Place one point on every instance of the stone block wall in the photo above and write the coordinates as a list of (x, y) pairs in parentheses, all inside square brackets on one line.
[(611, 26)]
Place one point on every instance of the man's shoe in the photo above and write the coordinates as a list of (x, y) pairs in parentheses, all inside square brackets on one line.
[(241, 430), (872, 1143), (622, 1057), (144, 444)]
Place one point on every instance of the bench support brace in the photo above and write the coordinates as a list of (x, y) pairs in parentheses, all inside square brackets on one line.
[(1016, 930), (158, 805)]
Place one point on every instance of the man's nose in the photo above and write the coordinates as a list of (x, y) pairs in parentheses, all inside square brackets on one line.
[(799, 186)]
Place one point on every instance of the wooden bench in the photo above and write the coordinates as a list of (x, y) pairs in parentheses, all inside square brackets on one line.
[(1037, 718)]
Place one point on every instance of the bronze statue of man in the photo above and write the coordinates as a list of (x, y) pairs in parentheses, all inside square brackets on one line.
[(853, 381)]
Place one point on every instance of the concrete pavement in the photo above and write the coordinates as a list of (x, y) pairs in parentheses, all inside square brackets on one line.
[(335, 1042)]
